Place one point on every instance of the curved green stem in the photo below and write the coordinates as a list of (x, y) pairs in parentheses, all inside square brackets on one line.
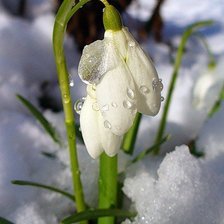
[(212, 61), (62, 17), (177, 64), (107, 186)]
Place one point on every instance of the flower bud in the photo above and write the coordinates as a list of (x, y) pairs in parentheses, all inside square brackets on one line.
[(111, 18)]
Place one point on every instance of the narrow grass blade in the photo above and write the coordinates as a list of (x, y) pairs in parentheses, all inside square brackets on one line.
[(97, 213), (50, 188), (43, 121), (217, 104), (141, 155)]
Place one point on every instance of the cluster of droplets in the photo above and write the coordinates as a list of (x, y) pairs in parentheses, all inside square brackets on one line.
[(157, 83), (127, 104)]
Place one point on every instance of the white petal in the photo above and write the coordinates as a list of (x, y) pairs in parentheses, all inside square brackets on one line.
[(111, 143), (90, 129), (117, 99), (118, 40), (146, 79)]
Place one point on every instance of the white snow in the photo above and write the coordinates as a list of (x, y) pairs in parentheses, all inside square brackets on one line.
[(185, 190), (172, 188)]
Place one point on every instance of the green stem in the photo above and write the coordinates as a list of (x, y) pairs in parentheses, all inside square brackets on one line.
[(60, 25), (107, 186), (177, 64), (130, 138)]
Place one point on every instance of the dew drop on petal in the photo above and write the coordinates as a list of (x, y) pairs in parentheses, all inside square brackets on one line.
[(118, 128), (162, 98), (127, 104), (131, 43), (155, 83), (107, 124), (160, 84), (113, 104), (130, 93), (78, 105), (95, 106), (105, 107), (134, 110), (144, 89), (154, 106)]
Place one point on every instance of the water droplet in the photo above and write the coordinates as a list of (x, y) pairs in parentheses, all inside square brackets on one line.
[(155, 83), (118, 128), (134, 110), (95, 106), (66, 98), (71, 81), (162, 98), (107, 124), (113, 104), (160, 84), (130, 93), (144, 89), (71, 136), (78, 105), (127, 104), (131, 43), (154, 106), (105, 107)]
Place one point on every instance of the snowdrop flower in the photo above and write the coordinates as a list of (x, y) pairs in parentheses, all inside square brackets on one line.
[(121, 81), (208, 87)]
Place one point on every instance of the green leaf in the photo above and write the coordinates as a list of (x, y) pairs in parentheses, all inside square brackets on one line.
[(50, 188), (43, 121), (142, 154), (5, 221), (97, 213)]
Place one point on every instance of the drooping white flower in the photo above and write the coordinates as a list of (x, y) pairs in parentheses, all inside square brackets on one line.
[(124, 82), (95, 130), (208, 87)]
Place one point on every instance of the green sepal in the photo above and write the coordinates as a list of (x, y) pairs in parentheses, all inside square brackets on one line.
[(111, 18)]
